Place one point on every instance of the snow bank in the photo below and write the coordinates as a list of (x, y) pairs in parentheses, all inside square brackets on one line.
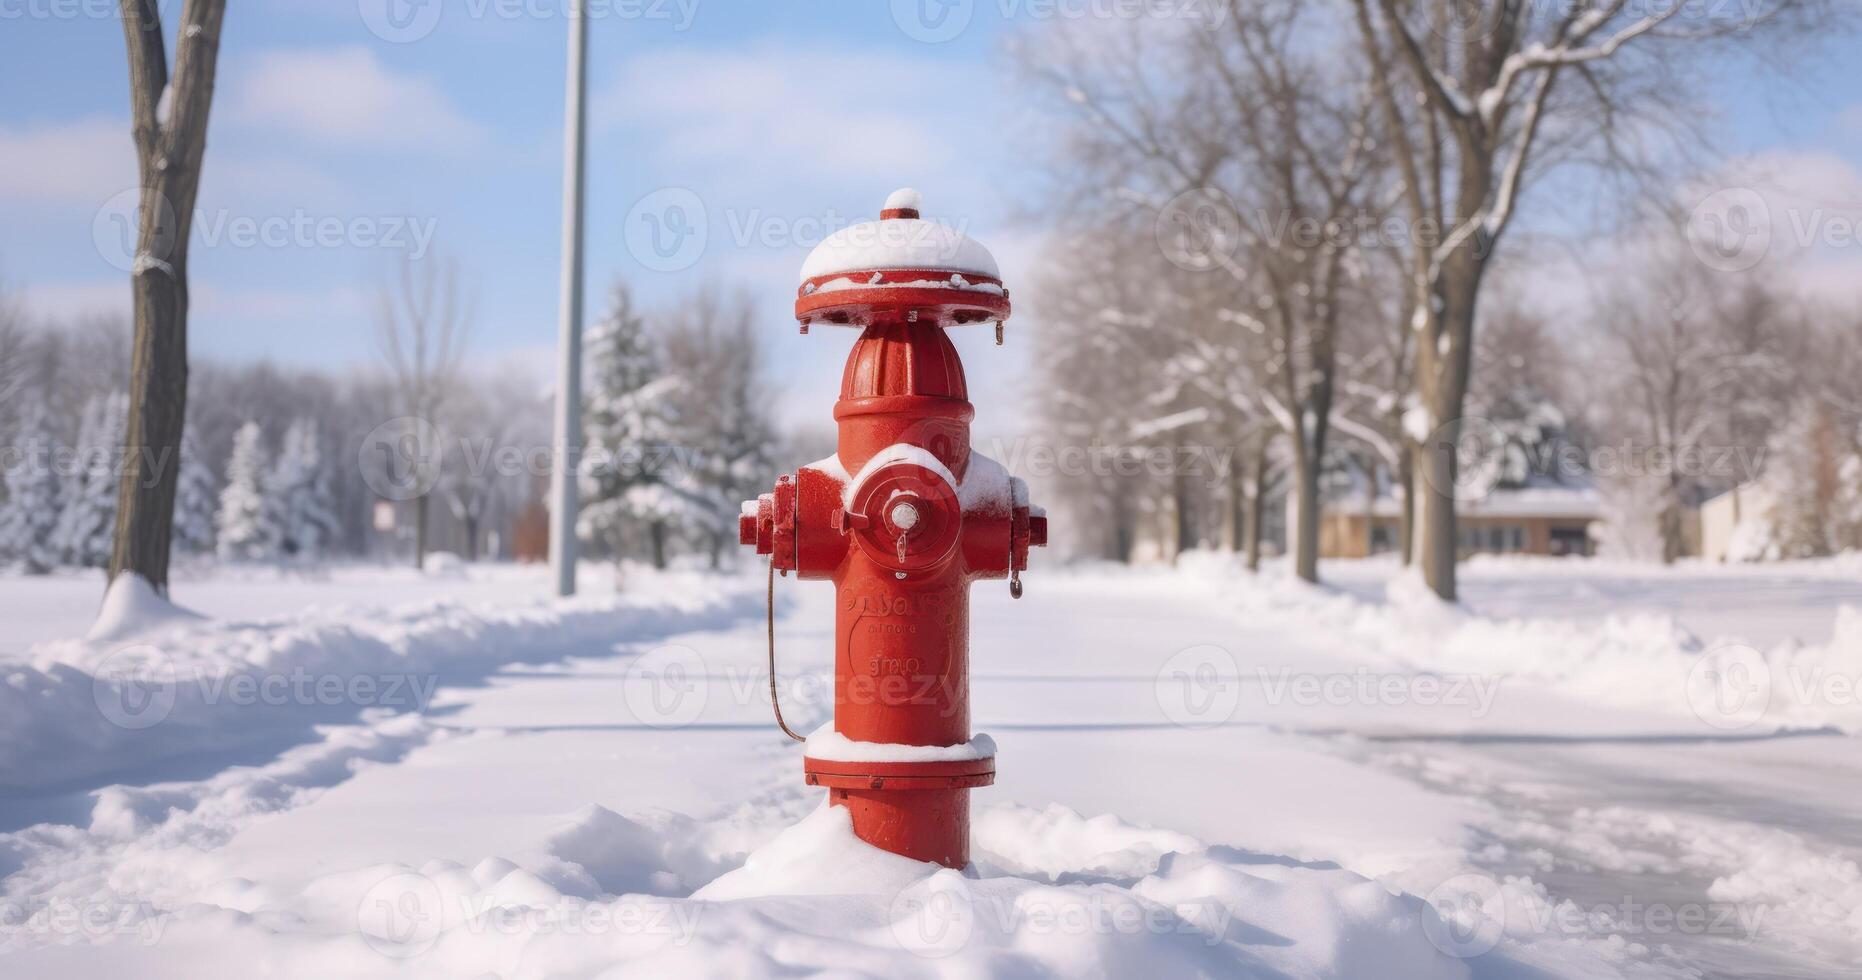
[(131, 606), (819, 856), (104, 706), (1637, 660), (818, 899)]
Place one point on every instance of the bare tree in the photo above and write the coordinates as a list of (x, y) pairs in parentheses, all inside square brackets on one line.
[(725, 408), (169, 120), (422, 325), (1695, 363), (487, 419), (1101, 370), (1253, 142), (1475, 109)]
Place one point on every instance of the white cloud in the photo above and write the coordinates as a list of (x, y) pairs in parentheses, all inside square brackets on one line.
[(346, 97), (1851, 118), (71, 301), (76, 300), (82, 161), (1810, 220), (257, 304), (779, 109)]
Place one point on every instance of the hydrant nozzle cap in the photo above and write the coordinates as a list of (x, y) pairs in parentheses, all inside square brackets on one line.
[(902, 203)]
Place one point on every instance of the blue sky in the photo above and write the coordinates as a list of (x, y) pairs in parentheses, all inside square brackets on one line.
[(783, 120), (780, 119)]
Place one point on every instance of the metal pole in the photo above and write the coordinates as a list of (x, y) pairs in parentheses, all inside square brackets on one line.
[(569, 369)]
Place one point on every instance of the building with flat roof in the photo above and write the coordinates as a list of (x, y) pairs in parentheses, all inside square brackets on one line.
[(1549, 519)]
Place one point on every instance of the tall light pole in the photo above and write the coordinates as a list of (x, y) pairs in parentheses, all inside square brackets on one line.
[(569, 368)]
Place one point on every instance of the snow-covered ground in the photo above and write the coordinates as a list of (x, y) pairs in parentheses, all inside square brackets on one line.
[(1591, 770)]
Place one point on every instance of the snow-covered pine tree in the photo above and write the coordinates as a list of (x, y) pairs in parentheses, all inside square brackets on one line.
[(29, 517), (631, 486), (297, 491), (196, 498), (245, 530), (88, 518)]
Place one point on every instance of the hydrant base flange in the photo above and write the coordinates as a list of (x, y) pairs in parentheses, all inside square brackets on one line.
[(965, 774)]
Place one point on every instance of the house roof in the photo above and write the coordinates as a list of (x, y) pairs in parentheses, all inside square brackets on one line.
[(1551, 500)]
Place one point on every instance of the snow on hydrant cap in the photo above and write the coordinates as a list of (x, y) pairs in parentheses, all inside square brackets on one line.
[(900, 239)]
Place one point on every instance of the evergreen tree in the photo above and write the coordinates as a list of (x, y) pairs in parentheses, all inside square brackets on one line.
[(297, 491), (633, 488), (196, 497), (29, 518), (87, 521), (246, 528)]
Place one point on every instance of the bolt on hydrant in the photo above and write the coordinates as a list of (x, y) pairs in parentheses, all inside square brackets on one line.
[(901, 519)]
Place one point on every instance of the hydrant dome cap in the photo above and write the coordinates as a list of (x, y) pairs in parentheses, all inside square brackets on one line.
[(899, 243)]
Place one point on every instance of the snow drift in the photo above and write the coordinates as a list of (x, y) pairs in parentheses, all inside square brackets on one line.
[(149, 687)]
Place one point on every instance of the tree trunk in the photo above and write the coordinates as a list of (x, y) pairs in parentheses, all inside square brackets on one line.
[(657, 532), (1257, 507), (1183, 514), (1306, 523), (471, 532), (1406, 506), (1166, 528), (1234, 515), (1124, 533), (169, 150), (420, 531), (1442, 366), (1671, 519), (145, 502), (1370, 506)]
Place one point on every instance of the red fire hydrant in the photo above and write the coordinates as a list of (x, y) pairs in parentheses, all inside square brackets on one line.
[(901, 519)]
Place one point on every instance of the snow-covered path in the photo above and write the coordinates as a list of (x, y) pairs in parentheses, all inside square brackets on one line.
[(1267, 742)]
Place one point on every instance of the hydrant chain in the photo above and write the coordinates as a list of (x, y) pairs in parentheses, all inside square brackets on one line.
[(775, 699)]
